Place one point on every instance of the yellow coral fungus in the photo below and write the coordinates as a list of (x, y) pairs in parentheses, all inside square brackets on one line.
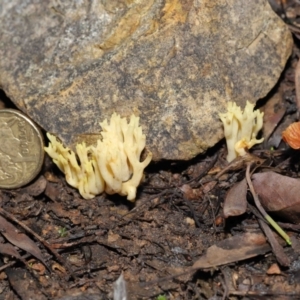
[(241, 128), (113, 165)]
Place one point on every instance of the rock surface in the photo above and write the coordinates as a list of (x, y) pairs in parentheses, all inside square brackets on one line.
[(176, 63)]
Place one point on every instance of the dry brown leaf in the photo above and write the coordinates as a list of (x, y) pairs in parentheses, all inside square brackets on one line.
[(19, 239), (235, 203), (278, 194), (8, 249), (233, 249), (24, 284)]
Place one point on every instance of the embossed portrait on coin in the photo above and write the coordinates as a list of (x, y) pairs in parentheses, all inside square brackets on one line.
[(21, 151)]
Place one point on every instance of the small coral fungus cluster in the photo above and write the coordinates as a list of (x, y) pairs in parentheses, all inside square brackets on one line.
[(241, 128), (112, 166)]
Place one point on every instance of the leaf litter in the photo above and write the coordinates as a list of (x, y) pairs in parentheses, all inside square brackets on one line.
[(19, 239), (279, 195)]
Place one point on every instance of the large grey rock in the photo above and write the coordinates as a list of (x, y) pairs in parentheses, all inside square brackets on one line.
[(176, 63)]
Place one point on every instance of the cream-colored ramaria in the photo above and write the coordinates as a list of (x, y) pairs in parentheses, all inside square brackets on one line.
[(241, 128), (113, 165)]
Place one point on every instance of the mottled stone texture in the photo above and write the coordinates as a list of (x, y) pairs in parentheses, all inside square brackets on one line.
[(175, 63)]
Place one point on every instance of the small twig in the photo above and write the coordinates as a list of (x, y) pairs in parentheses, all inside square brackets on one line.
[(153, 197), (276, 247), (40, 239), (294, 28), (204, 172), (212, 211), (294, 227), (11, 263), (261, 294), (239, 163), (192, 211), (189, 271), (262, 210), (225, 284)]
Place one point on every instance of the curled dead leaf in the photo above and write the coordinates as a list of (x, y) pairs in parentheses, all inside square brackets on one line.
[(292, 135), (235, 203), (278, 195), (36, 266), (57, 267)]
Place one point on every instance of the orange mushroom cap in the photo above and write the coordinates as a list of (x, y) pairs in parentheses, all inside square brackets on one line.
[(292, 135)]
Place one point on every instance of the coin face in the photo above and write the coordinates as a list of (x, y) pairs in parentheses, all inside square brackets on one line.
[(21, 149)]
